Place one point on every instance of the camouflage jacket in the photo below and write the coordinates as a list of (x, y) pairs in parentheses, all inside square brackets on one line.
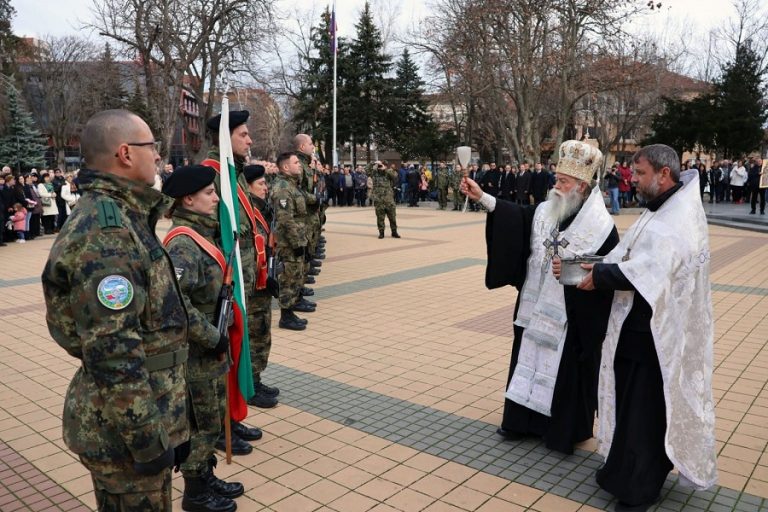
[(384, 181), (442, 178), (307, 181), (290, 209), (199, 277), (113, 302)]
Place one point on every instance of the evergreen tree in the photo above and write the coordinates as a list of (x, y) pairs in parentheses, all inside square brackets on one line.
[(107, 87), (369, 92), (22, 146), (684, 124), (740, 104), (8, 42), (410, 129), (137, 103)]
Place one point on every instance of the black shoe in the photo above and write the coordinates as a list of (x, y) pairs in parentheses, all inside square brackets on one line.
[(508, 434), (269, 390), (309, 280), (199, 497), (288, 321), (320, 256), (322, 238), (303, 308), (395, 235), (752, 212), (313, 271), (303, 321), (315, 263), (623, 507), (262, 401), (239, 447), (229, 490), (308, 302), (381, 234), (246, 433), (307, 292)]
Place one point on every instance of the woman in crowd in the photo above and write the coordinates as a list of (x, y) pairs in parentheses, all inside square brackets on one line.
[(48, 200), (70, 195), (738, 180)]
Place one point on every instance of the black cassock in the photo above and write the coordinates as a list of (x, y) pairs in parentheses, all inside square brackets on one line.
[(508, 239)]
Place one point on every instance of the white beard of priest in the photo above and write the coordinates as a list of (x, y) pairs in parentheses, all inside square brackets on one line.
[(558, 330), (656, 408)]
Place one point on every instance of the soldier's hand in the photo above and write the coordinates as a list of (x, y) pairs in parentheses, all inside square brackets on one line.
[(471, 188), (556, 267), (223, 345), (155, 466)]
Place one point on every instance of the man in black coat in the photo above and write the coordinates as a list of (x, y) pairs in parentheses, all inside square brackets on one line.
[(539, 184), (507, 188), (491, 181), (413, 178), (523, 185), (753, 186)]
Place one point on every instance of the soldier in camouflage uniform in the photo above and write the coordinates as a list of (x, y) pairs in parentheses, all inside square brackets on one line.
[(308, 183), (200, 275), (456, 176), (255, 176), (384, 182), (290, 207), (442, 180), (125, 411), (241, 141)]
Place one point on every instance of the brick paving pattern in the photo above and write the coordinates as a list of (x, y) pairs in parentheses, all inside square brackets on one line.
[(390, 398)]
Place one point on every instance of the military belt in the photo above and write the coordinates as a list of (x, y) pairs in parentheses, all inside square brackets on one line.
[(166, 360)]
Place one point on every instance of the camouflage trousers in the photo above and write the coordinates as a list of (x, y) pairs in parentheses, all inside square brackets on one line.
[(458, 197), (125, 491), (442, 197), (291, 281), (386, 208), (313, 231), (260, 331), (208, 409)]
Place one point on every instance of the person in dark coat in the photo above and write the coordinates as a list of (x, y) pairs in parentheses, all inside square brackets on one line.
[(523, 185), (539, 184), (507, 188)]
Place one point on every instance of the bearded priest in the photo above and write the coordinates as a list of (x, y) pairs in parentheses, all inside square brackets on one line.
[(558, 330), (655, 408)]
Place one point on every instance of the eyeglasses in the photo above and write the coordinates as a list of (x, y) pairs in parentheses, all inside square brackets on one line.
[(155, 143)]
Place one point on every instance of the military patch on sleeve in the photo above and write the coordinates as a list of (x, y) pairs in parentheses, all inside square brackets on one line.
[(179, 272), (283, 203), (115, 292)]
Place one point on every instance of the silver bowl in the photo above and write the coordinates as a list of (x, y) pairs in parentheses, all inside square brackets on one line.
[(571, 273)]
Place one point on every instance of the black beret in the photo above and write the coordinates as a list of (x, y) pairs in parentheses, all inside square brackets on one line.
[(236, 118), (187, 180), (253, 172)]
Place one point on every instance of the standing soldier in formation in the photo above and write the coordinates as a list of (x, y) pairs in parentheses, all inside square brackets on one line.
[(125, 412), (265, 287), (199, 264), (290, 207), (241, 141), (384, 182), (305, 151), (456, 177), (442, 180)]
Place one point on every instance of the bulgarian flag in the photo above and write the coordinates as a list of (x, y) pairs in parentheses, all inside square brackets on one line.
[(240, 375)]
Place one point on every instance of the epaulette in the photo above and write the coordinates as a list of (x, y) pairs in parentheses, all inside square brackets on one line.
[(109, 214)]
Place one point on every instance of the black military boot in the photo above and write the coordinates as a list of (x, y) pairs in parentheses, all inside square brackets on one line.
[(303, 307), (198, 497), (309, 280), (307, 302), (313, 271), (239, 447), (245, 432), (227, 489), (261, 399), (307, 292), (300, 320), (315, 263), (320, 255), (381, 234), (394, 234), (290, 321)]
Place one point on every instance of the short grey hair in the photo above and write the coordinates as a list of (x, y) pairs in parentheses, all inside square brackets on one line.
[(660, 156)]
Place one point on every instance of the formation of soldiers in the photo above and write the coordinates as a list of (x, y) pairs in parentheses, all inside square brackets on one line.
[(144, 317)]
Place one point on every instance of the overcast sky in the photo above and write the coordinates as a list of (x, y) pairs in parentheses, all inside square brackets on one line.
[(692, 19)]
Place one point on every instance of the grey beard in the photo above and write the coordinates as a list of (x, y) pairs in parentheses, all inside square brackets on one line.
[(564, 206), (649, 194)]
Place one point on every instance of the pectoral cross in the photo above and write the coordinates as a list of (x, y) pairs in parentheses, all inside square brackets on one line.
[(553, 246)]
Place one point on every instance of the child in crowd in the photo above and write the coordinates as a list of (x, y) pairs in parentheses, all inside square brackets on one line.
[(19, 219)]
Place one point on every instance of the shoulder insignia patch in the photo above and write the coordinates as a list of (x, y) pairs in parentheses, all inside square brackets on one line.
[(179, 272), (283, 203), (108, 214), (115, 292)]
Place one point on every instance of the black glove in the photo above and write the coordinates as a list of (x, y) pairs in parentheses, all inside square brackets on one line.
[(273, 287), (157, 465), (221, 348), (180, 454)]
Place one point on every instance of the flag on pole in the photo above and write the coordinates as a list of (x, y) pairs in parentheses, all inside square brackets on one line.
[(240, 374), (332, 28)]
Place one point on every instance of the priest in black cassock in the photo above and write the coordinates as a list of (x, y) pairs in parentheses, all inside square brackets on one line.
[(558, 331)]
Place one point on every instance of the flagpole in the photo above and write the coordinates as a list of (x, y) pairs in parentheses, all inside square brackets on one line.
[(335, 52)]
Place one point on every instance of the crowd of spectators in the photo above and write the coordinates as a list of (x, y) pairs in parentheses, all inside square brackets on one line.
[(35, 204)]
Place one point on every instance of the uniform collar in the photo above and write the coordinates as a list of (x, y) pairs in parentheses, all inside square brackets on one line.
[(137, 196), (206, 225)]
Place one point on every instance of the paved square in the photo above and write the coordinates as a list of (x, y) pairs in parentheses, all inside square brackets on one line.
[(391, 397)]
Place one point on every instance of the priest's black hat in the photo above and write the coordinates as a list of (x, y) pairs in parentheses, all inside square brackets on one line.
[(236, 118), (187, 180), (253, 172)]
